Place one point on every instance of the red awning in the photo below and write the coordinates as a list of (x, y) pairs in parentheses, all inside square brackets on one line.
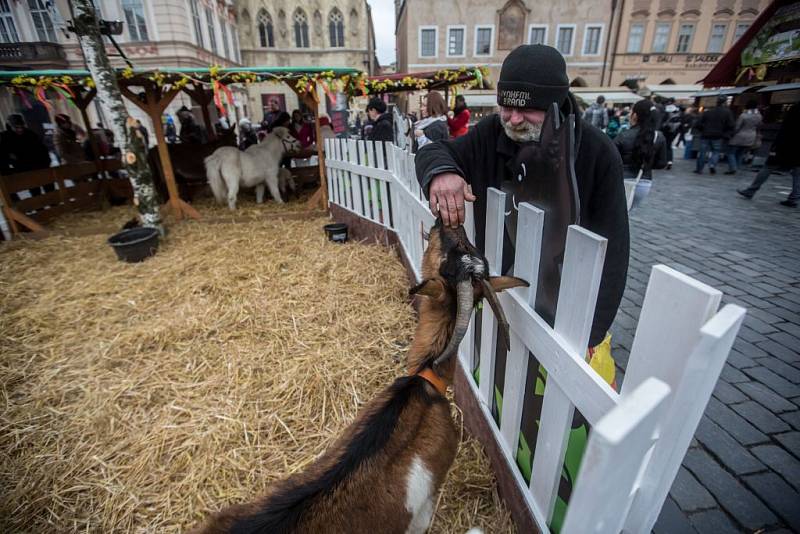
[(725, 71)]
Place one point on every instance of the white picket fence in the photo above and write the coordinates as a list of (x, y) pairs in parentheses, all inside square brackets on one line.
[(640, 435)]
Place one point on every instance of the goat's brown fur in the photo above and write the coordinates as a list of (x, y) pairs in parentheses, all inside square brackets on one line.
[(371, 497)]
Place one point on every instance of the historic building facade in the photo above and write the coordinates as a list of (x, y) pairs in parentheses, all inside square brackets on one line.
[(303, 33), (676, 41), (451, 33)]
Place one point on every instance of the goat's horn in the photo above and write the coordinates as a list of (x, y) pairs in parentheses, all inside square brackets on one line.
[(491, 296), (464, 310)]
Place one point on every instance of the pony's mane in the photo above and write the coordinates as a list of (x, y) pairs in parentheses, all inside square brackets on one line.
[(284, 508)]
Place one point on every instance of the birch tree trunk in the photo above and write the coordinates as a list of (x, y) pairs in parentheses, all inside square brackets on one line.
[(128, 137)]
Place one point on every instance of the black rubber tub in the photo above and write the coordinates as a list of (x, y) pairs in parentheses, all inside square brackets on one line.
[(336, 232), (135, 244)]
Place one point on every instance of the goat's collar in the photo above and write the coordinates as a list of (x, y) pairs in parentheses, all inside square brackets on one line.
[(433, 379)]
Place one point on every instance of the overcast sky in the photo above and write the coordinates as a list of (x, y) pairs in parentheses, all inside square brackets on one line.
[(383, 20)]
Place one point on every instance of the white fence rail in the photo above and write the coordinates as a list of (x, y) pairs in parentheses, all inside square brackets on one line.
[(639, 435)]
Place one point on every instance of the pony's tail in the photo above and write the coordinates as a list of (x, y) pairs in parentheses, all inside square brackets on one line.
[(213, 165)]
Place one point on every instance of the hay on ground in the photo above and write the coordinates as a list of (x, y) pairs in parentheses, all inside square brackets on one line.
[(140, 397)]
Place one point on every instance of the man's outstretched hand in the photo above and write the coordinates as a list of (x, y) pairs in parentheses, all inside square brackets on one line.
[(448, 191)]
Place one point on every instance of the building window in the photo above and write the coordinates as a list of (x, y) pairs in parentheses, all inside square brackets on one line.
[(223, 27), (685, 35), (336, 28), (537, 34), (635, 38), (427, 42), (717, 39), (212, 35), (661, 37), (8, 29), (564, 39), (300, 29), (740, 29), (591, 40), (266, 33), (484, 35), (198, 26), (236, 48), (42, 21), (455, 41)]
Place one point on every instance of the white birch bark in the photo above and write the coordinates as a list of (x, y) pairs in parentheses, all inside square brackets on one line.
[(129, 139)]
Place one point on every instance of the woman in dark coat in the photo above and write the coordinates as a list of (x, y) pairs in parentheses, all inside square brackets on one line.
[(643, 148)]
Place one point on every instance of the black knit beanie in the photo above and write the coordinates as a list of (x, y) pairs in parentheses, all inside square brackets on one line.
[(533, 76)]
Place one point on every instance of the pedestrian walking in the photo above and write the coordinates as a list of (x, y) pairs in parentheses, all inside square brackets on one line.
[(787, 156), (685, 125), (715, 127), (642, 148), (596, 114), (745, 137), (669, 128)]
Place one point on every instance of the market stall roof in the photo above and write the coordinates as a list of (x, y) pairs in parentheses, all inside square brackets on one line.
[(726, 91), (779, 87), (613, 95), (476, 77), (676, 91), (725, 71)]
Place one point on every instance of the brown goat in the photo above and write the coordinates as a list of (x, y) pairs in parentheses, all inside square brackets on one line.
[(384, 472)]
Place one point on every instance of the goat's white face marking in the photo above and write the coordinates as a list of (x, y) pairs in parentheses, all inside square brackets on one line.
[(419, 496), (473, 265)]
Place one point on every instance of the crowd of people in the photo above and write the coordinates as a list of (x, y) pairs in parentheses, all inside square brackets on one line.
[(648, 134)]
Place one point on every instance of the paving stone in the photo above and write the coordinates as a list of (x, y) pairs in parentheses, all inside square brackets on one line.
[(689, 494), (732, 375), (793, 418), (765, 397), (788, 304), (733, 497), (746, 347), (782, 369), (740, 361), (734, 424), (790, 441), (760, 417), (780, 461), (713, 522), (727, 450), (784, 314), (748, 334), (790, 328), (778, 495), (787, 340), (727, 394), (774, 382), (758, 325), (779, 351), (672, 520)]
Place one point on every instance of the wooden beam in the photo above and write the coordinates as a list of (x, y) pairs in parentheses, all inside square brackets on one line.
[(21, 218), (319, 200)]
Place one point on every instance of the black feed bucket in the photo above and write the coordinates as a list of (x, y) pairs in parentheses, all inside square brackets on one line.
[(135, 244), (336, 232)]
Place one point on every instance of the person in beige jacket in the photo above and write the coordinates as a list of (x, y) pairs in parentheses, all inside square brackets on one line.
[(745, 136)]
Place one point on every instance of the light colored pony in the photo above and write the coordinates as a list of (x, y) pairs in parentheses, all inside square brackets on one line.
[(228, 168)]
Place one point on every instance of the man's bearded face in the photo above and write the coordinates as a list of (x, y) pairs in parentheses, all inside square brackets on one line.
[(522, 125)]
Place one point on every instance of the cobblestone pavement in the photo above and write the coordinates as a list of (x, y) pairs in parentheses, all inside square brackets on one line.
[(742, 472)]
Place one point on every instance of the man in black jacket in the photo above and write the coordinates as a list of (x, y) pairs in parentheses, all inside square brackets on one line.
[(532, 79), (716, 126), (382, 129)]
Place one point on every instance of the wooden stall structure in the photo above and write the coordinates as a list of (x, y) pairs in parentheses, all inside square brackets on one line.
[(152, 91), (638, 435)]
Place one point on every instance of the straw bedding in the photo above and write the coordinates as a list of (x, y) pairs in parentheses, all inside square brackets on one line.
[(138, 398)]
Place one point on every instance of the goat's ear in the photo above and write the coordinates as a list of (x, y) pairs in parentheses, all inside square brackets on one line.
[(430, 288), (499, 283)]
